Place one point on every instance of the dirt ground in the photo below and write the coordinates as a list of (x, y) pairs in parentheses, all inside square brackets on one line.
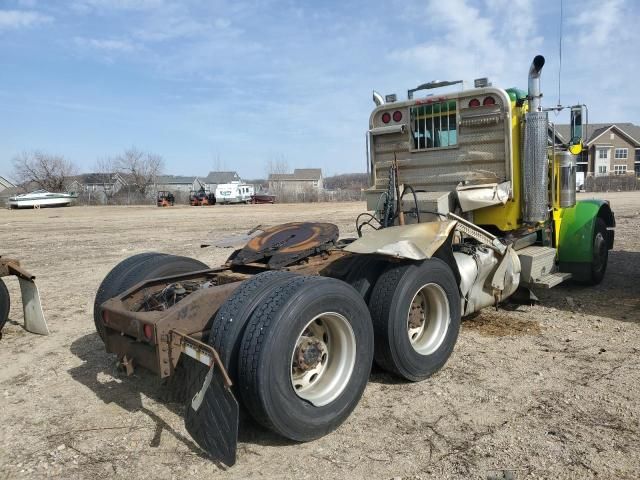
[(550, 391)]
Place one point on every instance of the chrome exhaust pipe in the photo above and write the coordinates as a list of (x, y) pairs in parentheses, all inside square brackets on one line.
[(534, 83), (535, 167), (377, 98)]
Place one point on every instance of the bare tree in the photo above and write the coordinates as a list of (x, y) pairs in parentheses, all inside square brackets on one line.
[(277, 166), (105, 174), (49, 172), (141, 169)]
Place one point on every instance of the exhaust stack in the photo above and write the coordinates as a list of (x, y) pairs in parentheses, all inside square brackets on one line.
[(377, 99), (534, 83), (535, 165)]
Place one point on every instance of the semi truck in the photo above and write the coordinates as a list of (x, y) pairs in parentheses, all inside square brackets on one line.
[(469, 203)]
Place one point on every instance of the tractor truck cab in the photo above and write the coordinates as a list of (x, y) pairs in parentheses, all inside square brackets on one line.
[(489, 155), (469, 202)]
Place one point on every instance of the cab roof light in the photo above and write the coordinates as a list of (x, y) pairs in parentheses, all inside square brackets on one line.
[(489, 101)]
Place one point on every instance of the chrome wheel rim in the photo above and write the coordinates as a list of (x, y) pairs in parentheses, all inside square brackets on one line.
[(323, 359), (428, 319)]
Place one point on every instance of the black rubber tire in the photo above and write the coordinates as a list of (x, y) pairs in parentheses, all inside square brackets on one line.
[(110, 286), (267, 346), (5, 305), (389, 306), (231, 320), (600, 253), (364, 273)]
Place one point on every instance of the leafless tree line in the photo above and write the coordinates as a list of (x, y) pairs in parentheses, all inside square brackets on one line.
[(55, 173), (46, 171)]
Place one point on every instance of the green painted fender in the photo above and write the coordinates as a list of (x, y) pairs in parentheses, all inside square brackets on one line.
[(576, 230)]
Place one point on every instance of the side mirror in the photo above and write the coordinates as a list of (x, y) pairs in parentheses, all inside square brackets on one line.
[(577, 130)]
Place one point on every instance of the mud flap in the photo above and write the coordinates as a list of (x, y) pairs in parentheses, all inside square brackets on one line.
[(211, 412), (211, 418), (34, 321)]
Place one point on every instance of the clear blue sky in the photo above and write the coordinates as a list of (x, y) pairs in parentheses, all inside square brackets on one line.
[(233, 84)]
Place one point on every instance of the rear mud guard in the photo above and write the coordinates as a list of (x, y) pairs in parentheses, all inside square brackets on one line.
[(34, 320), (212, 414)]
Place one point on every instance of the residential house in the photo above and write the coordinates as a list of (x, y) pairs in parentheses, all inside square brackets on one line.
[(213, 179), (302, 180), (611, 149), (103, 182), (178, 183), (7, 189)]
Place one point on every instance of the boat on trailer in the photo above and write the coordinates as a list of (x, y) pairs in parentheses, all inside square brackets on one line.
[(41, 198)]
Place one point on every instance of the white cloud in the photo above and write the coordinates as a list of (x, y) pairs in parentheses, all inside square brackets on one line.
[(600, 20), (107, 45), (88, 5), (13, 19), (467, 42)]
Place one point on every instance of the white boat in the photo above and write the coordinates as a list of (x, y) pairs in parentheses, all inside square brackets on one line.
[(41, 198)]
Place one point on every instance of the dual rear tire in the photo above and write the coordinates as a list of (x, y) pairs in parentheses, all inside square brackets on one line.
[(299, 349), (415, 308)]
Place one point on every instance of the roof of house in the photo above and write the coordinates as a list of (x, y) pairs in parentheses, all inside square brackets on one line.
[(97, 178), (175, 179), (6, 183), (298, 174), (594, 130), (221, 177)]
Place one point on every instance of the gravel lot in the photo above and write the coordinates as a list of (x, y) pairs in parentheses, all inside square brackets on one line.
[(550, 391)]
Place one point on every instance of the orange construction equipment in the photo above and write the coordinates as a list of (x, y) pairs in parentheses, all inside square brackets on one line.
[(166, 199)]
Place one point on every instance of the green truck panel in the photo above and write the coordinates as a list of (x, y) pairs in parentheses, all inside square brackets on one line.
[(577, 227)]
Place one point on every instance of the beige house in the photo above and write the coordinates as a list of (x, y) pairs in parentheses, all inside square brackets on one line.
[(178, 183), (213, 179), (612, 149), (301, 181)]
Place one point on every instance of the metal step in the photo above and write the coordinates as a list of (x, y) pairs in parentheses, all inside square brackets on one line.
[(537, 262), (551, 280)]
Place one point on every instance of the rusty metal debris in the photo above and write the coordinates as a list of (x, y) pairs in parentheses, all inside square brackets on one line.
[(34, 320)]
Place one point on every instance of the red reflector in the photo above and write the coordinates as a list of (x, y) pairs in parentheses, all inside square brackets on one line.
[(397, 116), (105, 316), (148, 331), (489, 101), (386, 118), (474, 102)]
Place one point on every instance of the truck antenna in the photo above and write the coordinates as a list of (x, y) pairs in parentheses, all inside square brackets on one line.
[(560, 53)]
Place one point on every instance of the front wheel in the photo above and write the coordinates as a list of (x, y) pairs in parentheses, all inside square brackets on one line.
[(306, 356), (416, 317), (600, 256)]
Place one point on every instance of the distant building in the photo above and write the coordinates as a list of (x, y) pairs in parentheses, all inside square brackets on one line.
[(213, 179), (5, 184), (178, 183), (611, 149), (302, 180), (106, 183), (7, 189)]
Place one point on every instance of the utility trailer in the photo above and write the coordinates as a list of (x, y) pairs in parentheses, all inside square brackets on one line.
[(469, 205)]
